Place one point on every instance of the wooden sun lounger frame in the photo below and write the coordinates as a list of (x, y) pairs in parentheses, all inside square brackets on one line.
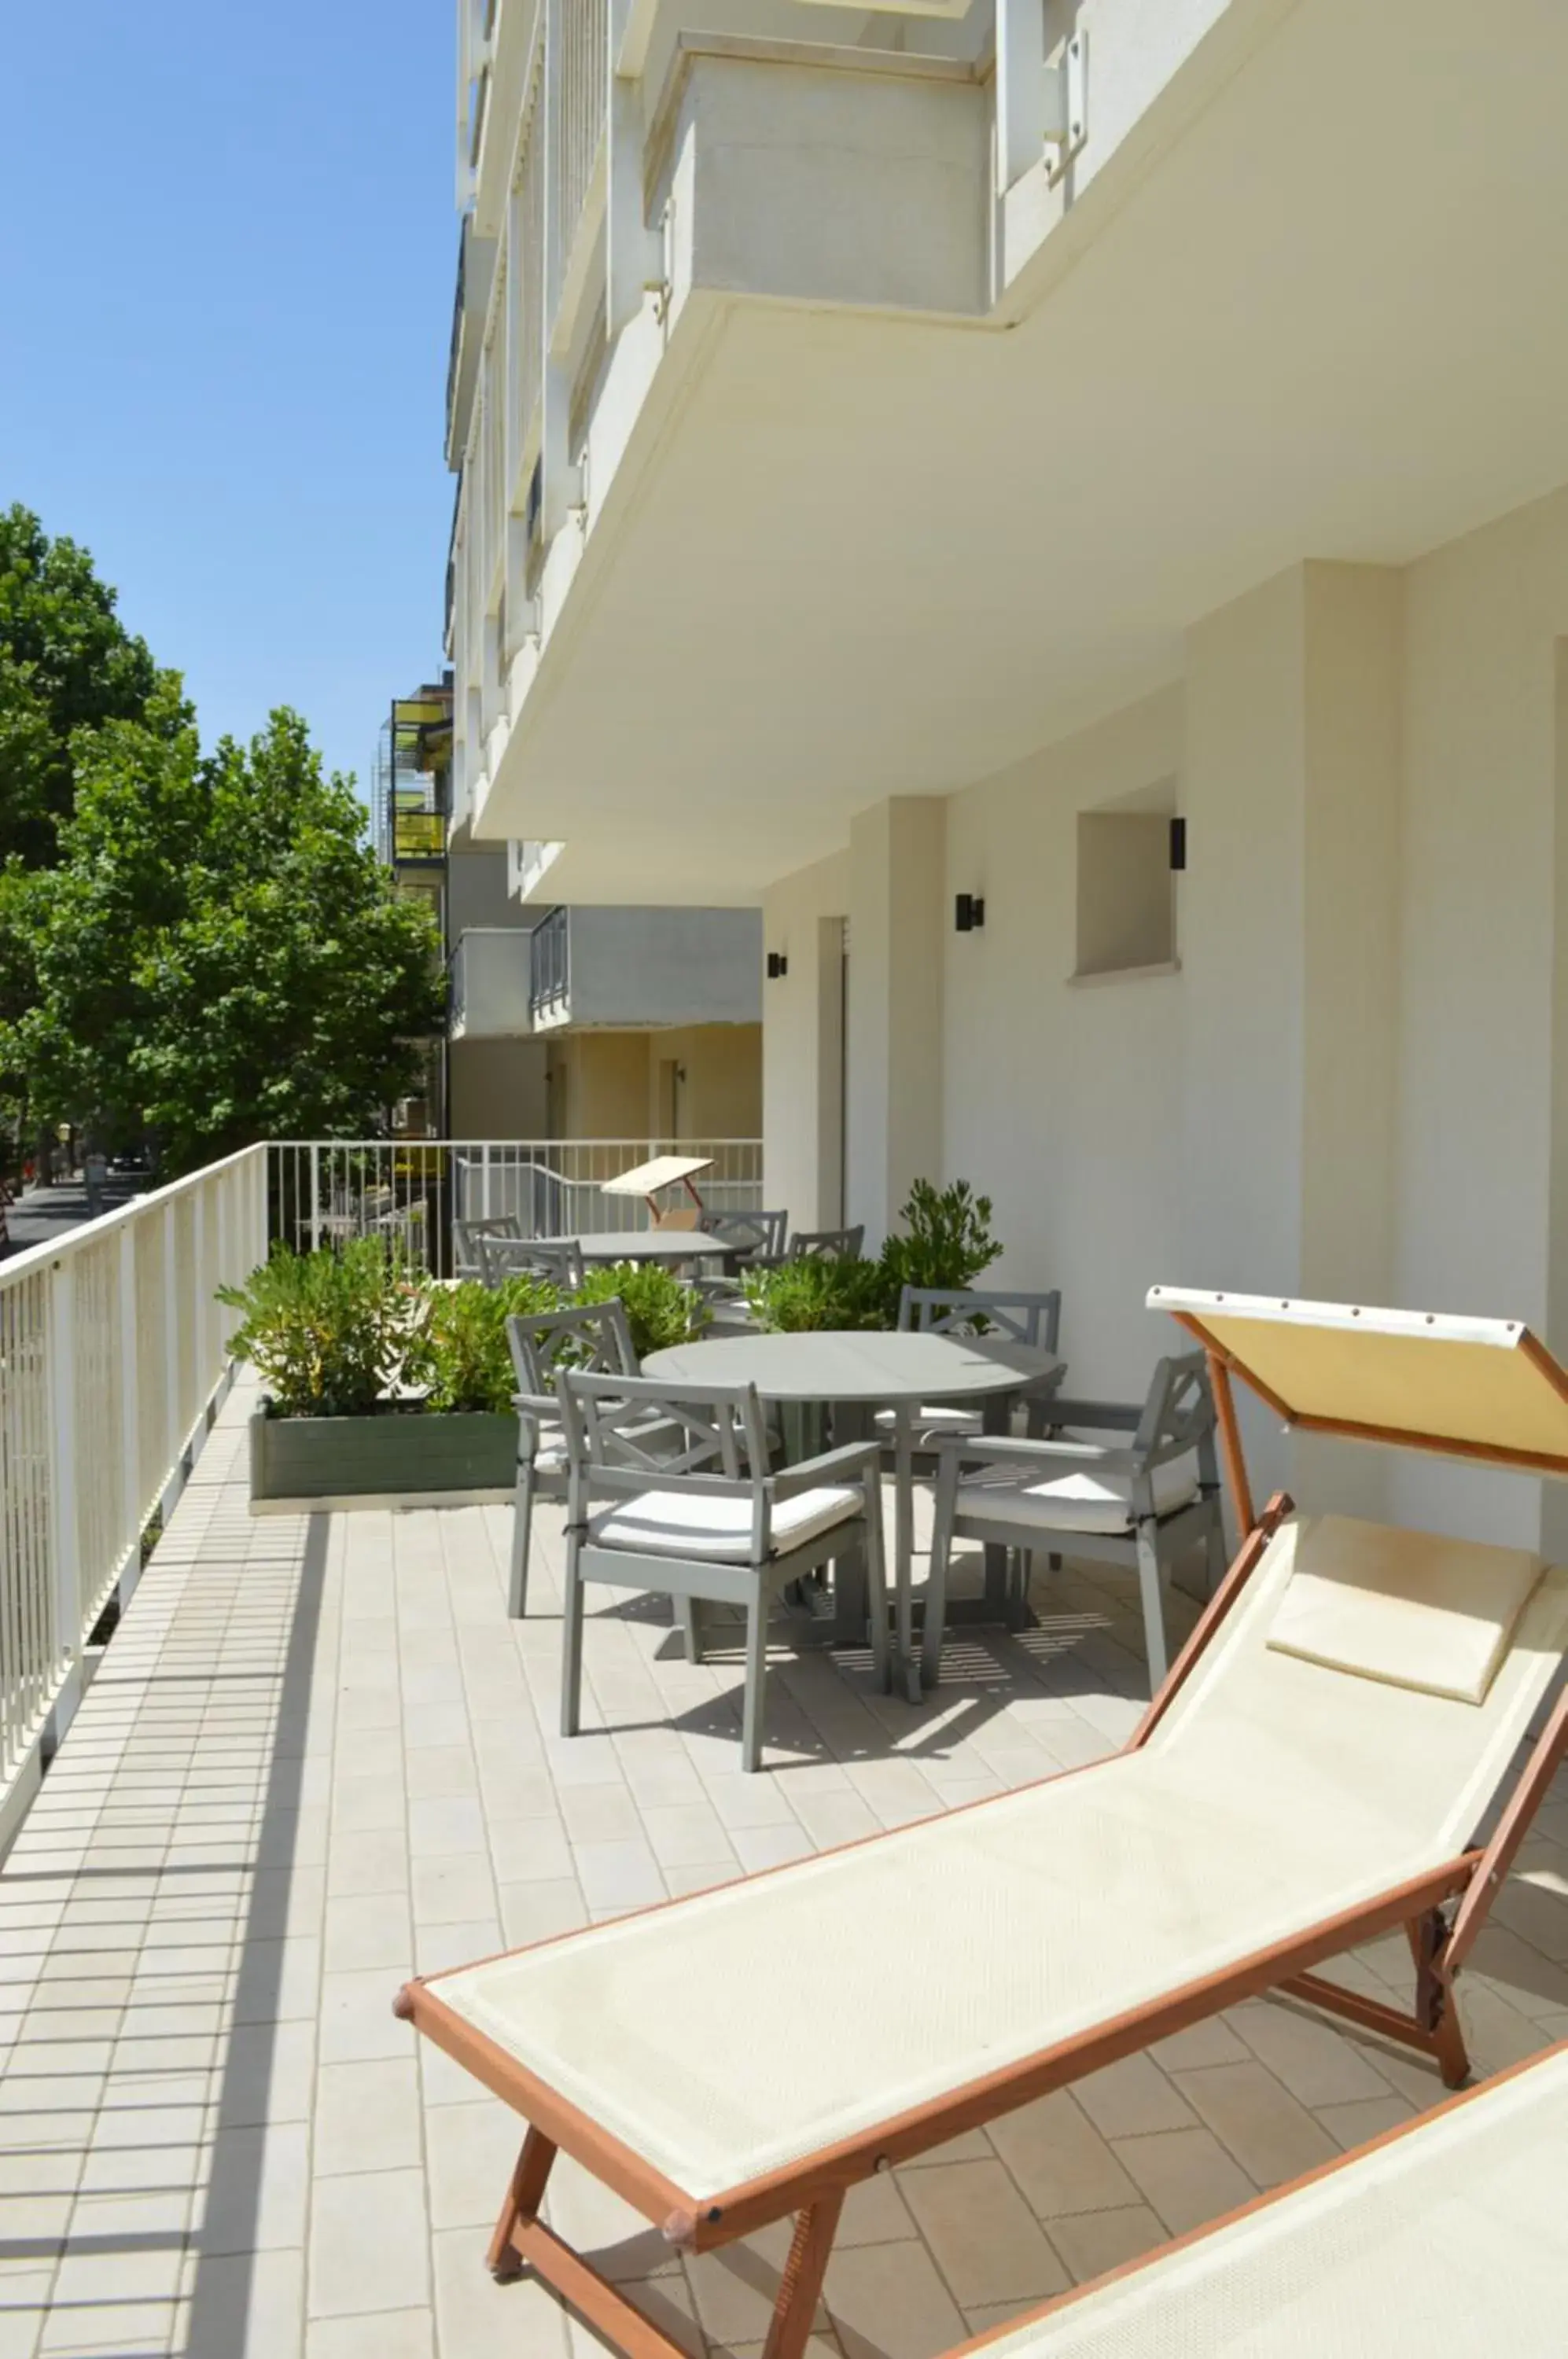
[(814, 2188)]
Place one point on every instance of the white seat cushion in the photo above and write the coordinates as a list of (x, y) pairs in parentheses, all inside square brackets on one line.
[(1408, 1608), (674, 1523), (550, 1458), (1078, 1502), (934, 1418)]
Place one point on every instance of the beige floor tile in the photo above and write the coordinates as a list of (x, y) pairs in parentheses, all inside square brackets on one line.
[(600, 1814), (369, 2234), (1367, 2117), (685, 1834), (368, 2116), (735, 2288), (247, 2306), (1255, 2116), (369, 1929), (438, 1947), (982, 2234), (1186, 2175), (1093, 2241), (357, 2023), (1060, 2160), (531, 1851), (443, 1824), (266, 2072), (618, 1875), (595, 2222), (448, 1890), (1316, 2062), (256, 2191), (376, 1860), (383, 2334), (887, 2302), (470, 2153), (1132, 2099), (772, 1845), (477, 2319), (1214, 2042)]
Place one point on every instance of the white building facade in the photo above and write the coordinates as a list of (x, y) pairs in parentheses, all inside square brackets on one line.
[(924, 455)]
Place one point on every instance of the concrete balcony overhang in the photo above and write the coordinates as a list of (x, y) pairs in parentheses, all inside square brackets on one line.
[(847, 550), (491, 978)]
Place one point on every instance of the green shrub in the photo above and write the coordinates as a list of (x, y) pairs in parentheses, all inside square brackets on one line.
[(661, 1310), (949, 1241), (327, 1332), (820, 1291)]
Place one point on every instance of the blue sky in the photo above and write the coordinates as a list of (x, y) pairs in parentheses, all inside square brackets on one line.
[(227, 245)]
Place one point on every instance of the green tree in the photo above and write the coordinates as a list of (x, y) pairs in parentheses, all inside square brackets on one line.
[(67, 662), (220, 956)]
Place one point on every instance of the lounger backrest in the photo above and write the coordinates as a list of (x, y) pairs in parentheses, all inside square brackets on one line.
[(1394, 1770)]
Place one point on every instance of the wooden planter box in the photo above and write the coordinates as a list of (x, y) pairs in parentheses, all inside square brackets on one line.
[(298, 1463)]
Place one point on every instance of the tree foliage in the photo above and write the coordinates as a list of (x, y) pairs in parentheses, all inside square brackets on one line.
[(220, 956), (67, 662)]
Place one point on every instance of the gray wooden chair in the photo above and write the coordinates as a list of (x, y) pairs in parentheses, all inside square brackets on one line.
[(467, 1233), (1144, 1503), (844, 1242), (594, 1335), (557, 1260), (748, 1236), (1034, 1320), (703, 1518)]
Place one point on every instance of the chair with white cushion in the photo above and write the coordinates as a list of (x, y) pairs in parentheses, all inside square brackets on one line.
[(597, 1335), (702, 1518), (1144, 1503)]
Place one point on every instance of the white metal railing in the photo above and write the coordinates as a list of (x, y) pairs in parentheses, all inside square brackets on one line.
[(411, 1191), (111, 1349), (584, 102)]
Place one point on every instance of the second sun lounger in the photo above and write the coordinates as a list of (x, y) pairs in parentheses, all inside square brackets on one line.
[(1313, 1774), (1447, 2236)]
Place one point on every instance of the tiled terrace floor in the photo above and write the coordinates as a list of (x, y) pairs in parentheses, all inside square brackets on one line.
[(318, 1757)]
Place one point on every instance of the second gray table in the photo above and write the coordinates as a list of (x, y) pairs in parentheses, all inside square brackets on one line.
[(869, 1370)]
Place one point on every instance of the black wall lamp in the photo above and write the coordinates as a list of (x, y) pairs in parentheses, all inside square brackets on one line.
[(778, 964), (969, 913)]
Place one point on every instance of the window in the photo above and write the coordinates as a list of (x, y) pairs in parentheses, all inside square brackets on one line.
[(1126, 889)]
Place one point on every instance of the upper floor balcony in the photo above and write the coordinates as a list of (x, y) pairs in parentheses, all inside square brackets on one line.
[(629, 969), (861, 406)]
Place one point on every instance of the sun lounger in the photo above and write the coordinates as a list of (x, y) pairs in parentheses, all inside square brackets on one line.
[(1313, 1774), (1447, 2236)]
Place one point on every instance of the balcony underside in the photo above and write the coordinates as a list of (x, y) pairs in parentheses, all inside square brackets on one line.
[(850, 553)]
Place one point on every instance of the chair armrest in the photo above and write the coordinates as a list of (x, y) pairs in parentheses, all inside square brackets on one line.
[(850, 1458), (1102, 1416), (1024, 1451), (538, 1404)]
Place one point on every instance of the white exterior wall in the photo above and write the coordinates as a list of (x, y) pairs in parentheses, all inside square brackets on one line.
[(1357, 1085), (803, 919)]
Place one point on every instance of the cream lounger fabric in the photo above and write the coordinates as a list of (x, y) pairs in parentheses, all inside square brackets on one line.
[(1449, 2243), (1403, 1606), (1273, 1794)]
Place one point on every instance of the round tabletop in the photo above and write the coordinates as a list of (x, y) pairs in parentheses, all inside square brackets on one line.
[(836, 1366), (644, 1244)]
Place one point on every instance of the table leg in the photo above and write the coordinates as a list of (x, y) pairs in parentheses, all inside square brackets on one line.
[(852, 1601), (1000, 1605), (906, 1667)]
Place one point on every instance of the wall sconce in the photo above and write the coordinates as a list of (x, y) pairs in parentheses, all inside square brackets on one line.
[(778, 964), (1178, 844), (968, 913)]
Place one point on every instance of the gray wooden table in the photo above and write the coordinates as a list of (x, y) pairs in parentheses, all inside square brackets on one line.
[(861, 1373), (644, 1244)]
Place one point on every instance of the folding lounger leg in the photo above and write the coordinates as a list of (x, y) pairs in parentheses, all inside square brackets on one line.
[(801, 2283), (524, 2196), (1437, 2001)]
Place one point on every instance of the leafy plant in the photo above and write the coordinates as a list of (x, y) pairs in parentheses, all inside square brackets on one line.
[(660, 1310), (464, 1357), (823, 1291), (949, 1241), (329, 1333)]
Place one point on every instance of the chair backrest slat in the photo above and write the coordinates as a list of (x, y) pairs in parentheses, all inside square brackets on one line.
[(1034, 1320), (658, 1432), (1180, 1407), (749, 1235), (557, 1260), (595, 1337), (845, 1244)]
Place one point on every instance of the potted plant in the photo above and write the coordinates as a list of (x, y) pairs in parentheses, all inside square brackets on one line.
[(948, 1243), (375, 1389)]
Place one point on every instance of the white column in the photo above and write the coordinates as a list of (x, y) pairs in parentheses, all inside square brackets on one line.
[(560, 489), (1020, 88), (896, 952), (634, 254)]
